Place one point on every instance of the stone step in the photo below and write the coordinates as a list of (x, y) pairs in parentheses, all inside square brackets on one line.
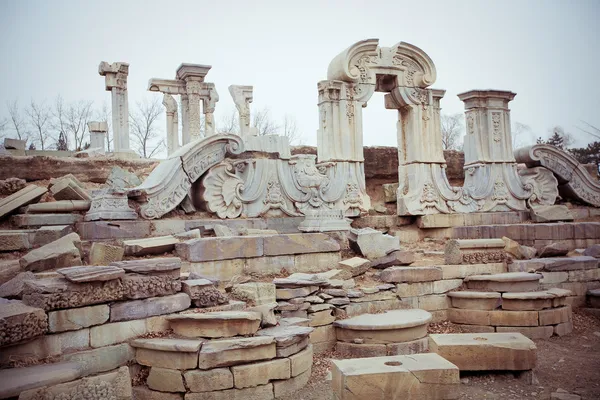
[(410, 274), (149, 265), (509, 318), (555, 264), (235, 351), (505, 282), (531, 301), (29, 194), (96, 273), (418, 376), (485, 351), (167, 352), (35, 220), (475, 300), (394, 326), (215, 324), (289, 339), (13, 381)]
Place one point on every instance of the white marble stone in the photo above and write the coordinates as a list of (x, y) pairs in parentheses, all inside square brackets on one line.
[(115, 75), (98, 131)]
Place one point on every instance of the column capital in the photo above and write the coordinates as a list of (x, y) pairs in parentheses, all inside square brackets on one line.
[(115, 74)]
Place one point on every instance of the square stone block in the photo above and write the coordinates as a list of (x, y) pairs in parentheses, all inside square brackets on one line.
[(256, 374), (555, 316)]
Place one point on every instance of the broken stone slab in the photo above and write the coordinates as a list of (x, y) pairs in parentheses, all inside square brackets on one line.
[(14, 240), (252, 375), (120, 178), (154, 245), (11, 185), (215, 324), (47, 234), (474, 251), (225, 353), (485, 351), (15, 144), (389, 192), (213, 297), (475, 300), (102, 359), (138, 286), (299, 243), (555, 264), (77, 318), (394, 326), (267, 312), (553, 213), (13, 381), (56, 293), (254, 293), (60, 206), (220, 248), (64, 252), (167, 352), (417, 376), (505, 282), (525, 301), (559, 249), (395, 258), (299, 279), (286, 336), (353, 267), (592, 251), (91, 273), (517, 251), (110, 204), (290, 293), (113, 385), (19, 322), (69, 188), (23, 197), (138, 309), (14, 287), (150, 265), (203, 293), (9, 269), (38, 220), (371, 243), (410, 274), (105, 254)]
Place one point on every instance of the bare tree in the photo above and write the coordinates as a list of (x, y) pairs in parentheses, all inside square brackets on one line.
[(59, 123), (105, 115), (40, 120), (229, 123), (142, 123), (16, 119), (289, 129), (3, 126), (77, 116), (451, 127), (264, 124), (521, 135)]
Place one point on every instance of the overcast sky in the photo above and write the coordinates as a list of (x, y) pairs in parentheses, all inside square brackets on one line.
[(546, 51)]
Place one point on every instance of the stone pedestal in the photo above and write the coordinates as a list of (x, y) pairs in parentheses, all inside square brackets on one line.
[(98, 133), (116, 82), (109, 204)]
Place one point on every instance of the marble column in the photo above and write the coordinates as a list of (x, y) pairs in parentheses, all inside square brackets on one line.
[(242, 97), (193, 77), (172, 123), (208, 107), (116, 82), (98, 133), (185, 129)]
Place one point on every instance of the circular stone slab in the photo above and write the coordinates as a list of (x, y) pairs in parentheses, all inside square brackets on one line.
[(475, 300), (528, 295), (215, 324), (466, 294)]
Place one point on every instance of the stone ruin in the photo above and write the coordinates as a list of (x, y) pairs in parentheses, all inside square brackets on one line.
[(222, 270)]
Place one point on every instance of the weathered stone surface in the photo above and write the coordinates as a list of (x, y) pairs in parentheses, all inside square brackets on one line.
[(290, 293), (19, 322), (485, 351), (551, 213), (98, 230), (143, 393), (224, 353), (68, 188), (14, 240), (391, 327), (532, 332), (208, 381), (36, 220), (592, 251), (215, 324), (418, 376), (353, 267), (168, 345), (165, 380), (462, 271), (165, 359), (405, 348), (514, 318), (262, 392), (16, 380), (14, 287), (299, 243), (267, 312), (121, 178), (91, 273), (469, 316), (153, 245), (105, 254), (78, 318), (414, 289), (447, 285), (286, 336), (517, 251), (558, 249), (475, 300), (260, 373), (411, 274), (21, 198), (113, 385), (292, 385), (371, 243), (354, 350), (211, 249), (102, 359), (320, 318), (397, 257), (138, 309), (150, 265), (11, 185), (555, 316), (254, 293), (506, 282), (47, 234), (144, 286), (117, 332), (63, 252), (561, 263), (354, 309), (389, 192), (57, 293), (562, 329)]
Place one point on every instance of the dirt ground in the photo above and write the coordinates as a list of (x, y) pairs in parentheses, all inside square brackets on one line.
[(571, 363)]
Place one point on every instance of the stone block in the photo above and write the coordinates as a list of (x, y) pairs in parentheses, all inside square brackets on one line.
[(563, 329), (552, 278), (117, 332), (371, 243), (14, 241), (13, 381), (14, 287), (389, 192), (462, 271), (148, 246), (532, 332), (144, 286), (415, 289), (485, 351), (223, 270), (411, 274), (64, 252), (353, 267), (406, 348), (474, 328), (19, 322), (321, 318), (354, 309), (254, 293), (215, 324), (397, 257), (68, 188), (102, 359), (355, 350), (299, 243), (224, 353), (99, 230), (469, 317), (58, 293), (555, 316), (165, 380), (325, 333), (77, 318), (291, 293), (474, 251), (208, 381), (211, 249), (584, 275), (419, 376), (138, 309), (434, 302), (21, 198), (104, 254), (445, 286), (37, 220), (315, 262), (260, 373), (514, 318), (550, 213), (47, 234), (150, 266), (143, 393), (262, 392), (266, 266), (14, 144), (290, 386), (84, 274)]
